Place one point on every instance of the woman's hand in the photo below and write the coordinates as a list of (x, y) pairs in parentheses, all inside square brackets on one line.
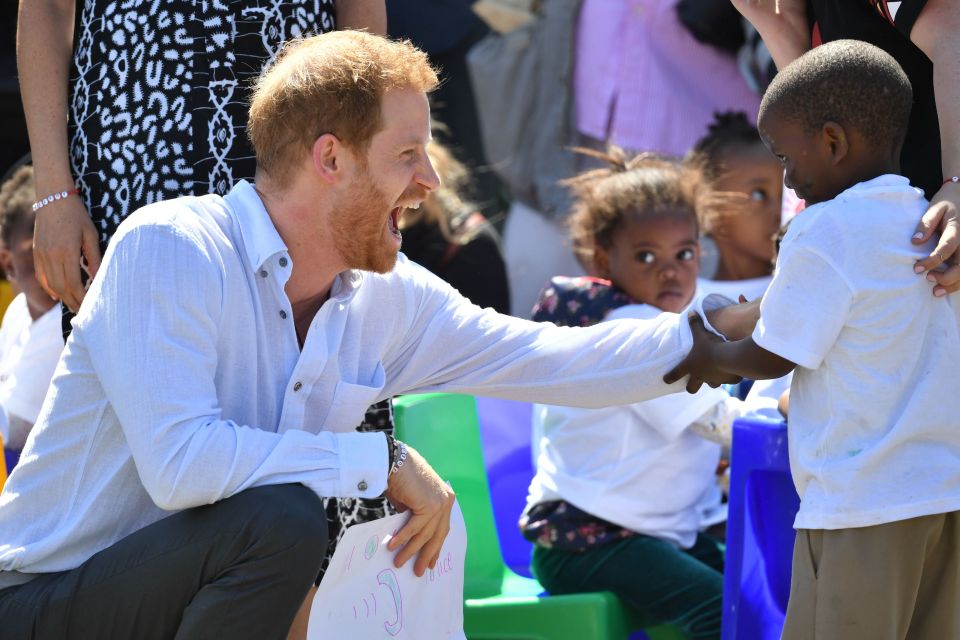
[(782, 24), (62, 233), (941, 217)]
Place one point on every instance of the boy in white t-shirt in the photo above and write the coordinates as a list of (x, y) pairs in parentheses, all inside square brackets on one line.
[(874, 413), (30, 336)]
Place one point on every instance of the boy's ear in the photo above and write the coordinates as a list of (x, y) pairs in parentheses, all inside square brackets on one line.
[(835, 138), (327, 156)]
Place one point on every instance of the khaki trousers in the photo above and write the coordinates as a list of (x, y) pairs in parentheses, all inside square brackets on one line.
[(895, 581)]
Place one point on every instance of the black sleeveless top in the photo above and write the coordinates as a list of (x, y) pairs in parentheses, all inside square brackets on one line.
[(871, 21)]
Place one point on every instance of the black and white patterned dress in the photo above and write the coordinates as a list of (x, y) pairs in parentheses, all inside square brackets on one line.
[(158, 95), (158, 108)]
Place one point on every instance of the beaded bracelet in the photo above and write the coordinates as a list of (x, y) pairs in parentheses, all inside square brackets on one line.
[(53, 197), (951, 179), (398, 455)]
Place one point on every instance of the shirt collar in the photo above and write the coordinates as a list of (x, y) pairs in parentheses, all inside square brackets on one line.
[(262, 242), (260, 238), (886, 182), (346, 285)]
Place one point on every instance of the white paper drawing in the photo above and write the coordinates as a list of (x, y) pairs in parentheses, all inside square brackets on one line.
[(363, 596)]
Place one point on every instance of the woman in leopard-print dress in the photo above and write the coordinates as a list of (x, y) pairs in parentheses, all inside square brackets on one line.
[(157, 108)]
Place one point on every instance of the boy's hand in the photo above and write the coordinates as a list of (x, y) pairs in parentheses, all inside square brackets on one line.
[(699, 363)]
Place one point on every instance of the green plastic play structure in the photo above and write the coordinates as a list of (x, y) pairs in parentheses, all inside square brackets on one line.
[(499, 604)]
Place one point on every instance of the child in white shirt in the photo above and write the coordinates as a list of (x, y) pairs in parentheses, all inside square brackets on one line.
[(874, 433), (30, 336), (749, 178), (621, 495)]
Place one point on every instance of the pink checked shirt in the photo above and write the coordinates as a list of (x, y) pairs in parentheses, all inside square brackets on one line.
[(644, 83)]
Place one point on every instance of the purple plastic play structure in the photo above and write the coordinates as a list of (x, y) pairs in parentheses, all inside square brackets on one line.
[(763, 504), (505, 428)]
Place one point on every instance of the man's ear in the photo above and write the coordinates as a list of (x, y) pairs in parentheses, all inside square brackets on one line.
[(327, 156), (835, 138)]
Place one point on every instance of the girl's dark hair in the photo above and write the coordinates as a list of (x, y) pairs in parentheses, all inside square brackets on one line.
[(729, 129), (627, 188)]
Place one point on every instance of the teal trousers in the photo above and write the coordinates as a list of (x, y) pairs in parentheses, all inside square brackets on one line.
[(683, 587)]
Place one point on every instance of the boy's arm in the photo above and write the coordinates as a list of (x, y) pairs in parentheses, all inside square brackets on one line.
[(735, 321), (746, 359), (714, 363)]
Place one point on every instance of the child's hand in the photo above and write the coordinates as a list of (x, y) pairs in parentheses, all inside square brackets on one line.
[(699, 362)]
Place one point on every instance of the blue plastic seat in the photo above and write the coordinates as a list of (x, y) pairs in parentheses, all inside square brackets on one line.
[(760, 534)]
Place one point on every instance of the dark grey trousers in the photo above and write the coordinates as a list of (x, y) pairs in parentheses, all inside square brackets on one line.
[(239, 568)]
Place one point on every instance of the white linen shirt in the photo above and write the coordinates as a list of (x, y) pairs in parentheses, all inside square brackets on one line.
[(874, 424), (183, 382)]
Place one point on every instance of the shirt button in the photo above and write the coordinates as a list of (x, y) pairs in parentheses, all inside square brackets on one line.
[(297, 386), (283, 262), (362, 486), (263, 273), (283, 314)]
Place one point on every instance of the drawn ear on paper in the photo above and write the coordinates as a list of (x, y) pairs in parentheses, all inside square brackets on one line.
[(353, 601), (389, 579)]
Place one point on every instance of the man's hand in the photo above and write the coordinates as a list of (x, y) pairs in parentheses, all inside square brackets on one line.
[(942, 217), (62, 232), (417, 487), (699, 363)]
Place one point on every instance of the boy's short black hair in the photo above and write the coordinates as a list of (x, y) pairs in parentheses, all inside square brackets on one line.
[(850, 82), (17, 195)]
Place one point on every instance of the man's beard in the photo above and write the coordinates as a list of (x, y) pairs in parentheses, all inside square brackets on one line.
[(359, 227)]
